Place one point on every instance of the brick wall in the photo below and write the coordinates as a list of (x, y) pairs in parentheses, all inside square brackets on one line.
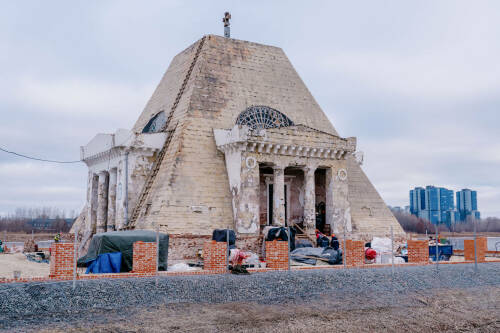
[(250, 243), (354, 253), (418, 251), (214, 256), (61, 260), (184, 247), (469, 249), (277, 255), (144, 257)]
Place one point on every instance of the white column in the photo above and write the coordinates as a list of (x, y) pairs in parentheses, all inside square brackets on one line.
[(309, 200), (279, 196), (338, 208), (102, 202), (92, 202), (112, 200), (120, 195)]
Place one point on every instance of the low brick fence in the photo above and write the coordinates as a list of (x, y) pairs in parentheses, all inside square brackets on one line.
[(214, 256), (144, 257), (215, 253), (418, 251), (481, 244), (354, 254), (62, 259), (277, 255)]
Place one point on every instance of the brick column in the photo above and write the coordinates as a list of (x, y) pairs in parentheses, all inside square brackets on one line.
[(144, 257), (61, 260), (214, 256), (354, 253), (418, 251), (481, 249), (277, 255)]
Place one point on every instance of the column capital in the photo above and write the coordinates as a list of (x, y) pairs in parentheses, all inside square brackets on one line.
[(102, 173), (278, 166), (309, 168)]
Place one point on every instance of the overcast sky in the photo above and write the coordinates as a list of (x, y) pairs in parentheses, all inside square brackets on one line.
[(417, 83)]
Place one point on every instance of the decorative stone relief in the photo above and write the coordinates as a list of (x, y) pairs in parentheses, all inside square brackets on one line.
[(342, 174), (251, 162)]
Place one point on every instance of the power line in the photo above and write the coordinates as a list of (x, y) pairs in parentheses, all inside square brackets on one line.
[(37, 159)]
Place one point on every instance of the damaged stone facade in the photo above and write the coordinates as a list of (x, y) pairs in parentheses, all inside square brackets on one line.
[(117, 163), (240, 123), (299, 149)]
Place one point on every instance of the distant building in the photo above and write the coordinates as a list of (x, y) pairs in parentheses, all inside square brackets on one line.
[(42, 224), (434, 204), (467, 205)]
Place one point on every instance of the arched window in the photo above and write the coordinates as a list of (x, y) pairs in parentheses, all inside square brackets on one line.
[(263, 117), (156, 123)]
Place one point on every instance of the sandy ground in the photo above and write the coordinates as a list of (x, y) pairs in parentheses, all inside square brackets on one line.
[(18, 262), (471, 310)]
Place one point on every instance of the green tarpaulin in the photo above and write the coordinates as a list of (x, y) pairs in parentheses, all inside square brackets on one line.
[(123, 241)]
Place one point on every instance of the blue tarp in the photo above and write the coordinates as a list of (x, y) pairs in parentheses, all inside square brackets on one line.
[(106, 263)]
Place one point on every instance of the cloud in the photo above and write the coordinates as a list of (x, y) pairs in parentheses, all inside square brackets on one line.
[(78, 96), (417, 82)]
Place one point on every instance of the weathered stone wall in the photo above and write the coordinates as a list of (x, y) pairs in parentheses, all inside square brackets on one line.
[(192, 193), (370, 215)]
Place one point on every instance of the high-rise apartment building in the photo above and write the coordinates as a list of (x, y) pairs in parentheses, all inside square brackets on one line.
[(434, 204), (467, 204)]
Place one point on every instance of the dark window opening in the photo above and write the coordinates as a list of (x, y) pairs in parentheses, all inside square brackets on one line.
[(156, 124)]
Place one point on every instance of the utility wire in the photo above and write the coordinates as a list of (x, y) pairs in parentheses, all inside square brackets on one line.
[(36, 159)]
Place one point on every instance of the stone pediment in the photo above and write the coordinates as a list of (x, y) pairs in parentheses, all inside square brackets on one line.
[(103, 143)]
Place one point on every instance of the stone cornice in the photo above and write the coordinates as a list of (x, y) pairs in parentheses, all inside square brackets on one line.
[(115, 152), (336, 152)]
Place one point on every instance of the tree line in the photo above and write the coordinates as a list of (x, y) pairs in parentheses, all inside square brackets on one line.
[(412, 223), (18, 221)]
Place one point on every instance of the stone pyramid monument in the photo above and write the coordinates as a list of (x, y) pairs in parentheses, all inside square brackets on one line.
[(231, 138)]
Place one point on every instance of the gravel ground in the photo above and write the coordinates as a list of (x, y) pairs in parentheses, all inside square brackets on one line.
[(25, 306)]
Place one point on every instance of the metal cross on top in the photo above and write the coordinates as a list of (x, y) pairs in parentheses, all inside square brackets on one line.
[(226, 19)]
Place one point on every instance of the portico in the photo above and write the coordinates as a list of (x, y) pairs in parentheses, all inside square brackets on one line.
[(118, 164), (293, 161)]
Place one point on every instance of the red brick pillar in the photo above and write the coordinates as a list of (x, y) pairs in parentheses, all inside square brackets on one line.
[(418, 251), (481, 249), (144, 257), (277, 255), (354, 253), (214, 256), (62, 258)]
